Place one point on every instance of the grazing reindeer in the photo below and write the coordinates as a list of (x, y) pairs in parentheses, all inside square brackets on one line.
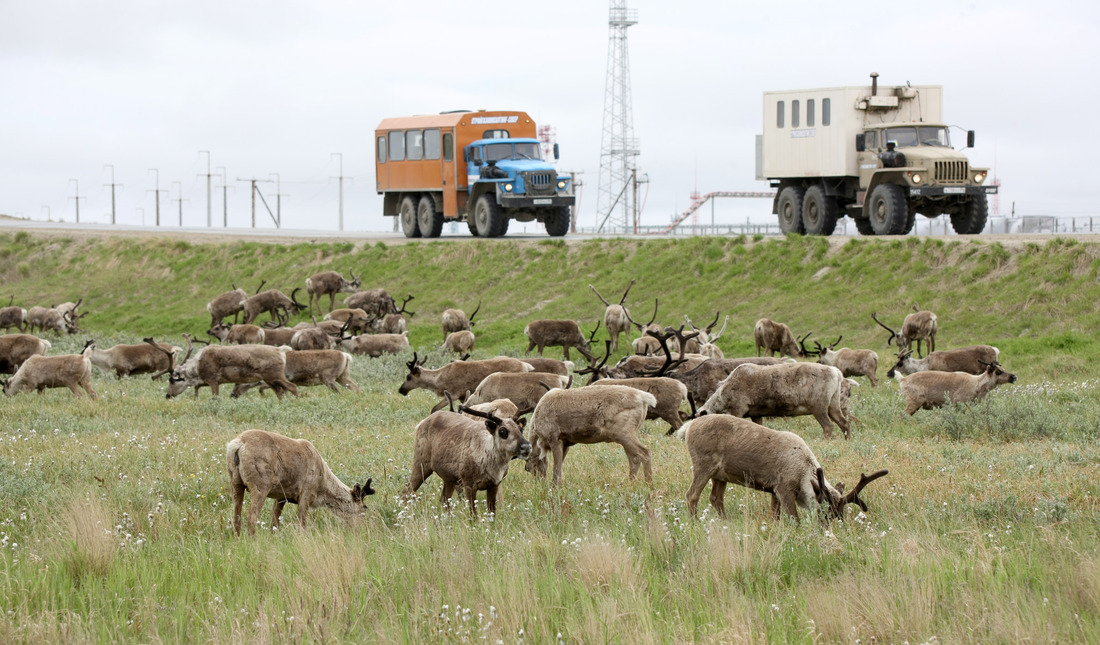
[(645, 345), (394, 322), (851, 362), (928, 390), (330, 283), (40, 372), (456, 320), (704, 344), (12, 316), (558, 333), (286, 470), (215, 365), (230, 303), (358, 320), (376, 302), (917, 326), (726, 449), (971, 359), (17, 348), (773, 337), (274, 302), (616, 318)]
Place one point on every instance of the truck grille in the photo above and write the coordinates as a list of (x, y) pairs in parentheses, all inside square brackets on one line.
[(952, 172), (539, 183)]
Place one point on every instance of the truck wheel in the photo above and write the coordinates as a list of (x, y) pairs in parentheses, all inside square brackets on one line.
[(888, 210), (557, 223), (407, 213), (972, 220), (470, 224), (429, 221), (910, 222), (819, 212), (790, 210), (864, 227), (487, 217)]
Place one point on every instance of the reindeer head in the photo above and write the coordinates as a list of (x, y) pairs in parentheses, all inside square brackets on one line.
[(354, 284), (219, 331), (999, 375), (358, 493), (507, 433), (837, 499), (413, 380), (902, 356)]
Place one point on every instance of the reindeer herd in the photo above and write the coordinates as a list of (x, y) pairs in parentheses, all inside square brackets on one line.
[(471, 448)]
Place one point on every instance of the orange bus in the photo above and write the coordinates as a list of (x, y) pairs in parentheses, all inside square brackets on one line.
[(500, 177)]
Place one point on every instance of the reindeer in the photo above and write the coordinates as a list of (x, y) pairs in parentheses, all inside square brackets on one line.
[(53, 319), (274, 302), (269, 465), (456, 320), (704, 338), (616, 318), (563, 333), (917, 326), (459, 342), (128, 360), (374, 345), (12, 316), (238, 334), (217, 364), (40, 372), (375, 302), (851, 362), (645, 345), (971, 359), (15, 349), (773, 337), (316, 336), (726, 449), (330, 283), (394, 322), (230, 303), (358, 320), (928, 390), (458, 377), (308, 367)]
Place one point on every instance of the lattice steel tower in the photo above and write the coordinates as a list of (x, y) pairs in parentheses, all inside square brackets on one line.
[(619, 148)]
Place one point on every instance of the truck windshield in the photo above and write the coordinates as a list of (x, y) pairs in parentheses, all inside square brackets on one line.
[(914, 136), (498, 151)]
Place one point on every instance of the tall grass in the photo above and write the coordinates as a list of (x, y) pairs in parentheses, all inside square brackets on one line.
[(115, 524)]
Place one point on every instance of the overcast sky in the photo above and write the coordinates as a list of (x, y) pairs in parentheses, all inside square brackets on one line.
[(278, 87)]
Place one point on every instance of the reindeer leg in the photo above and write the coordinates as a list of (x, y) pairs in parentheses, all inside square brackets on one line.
[(698, 483), (718, 497), (559, 456), (237, 488), (788, 502), (826, 423), (254, 506), (276, 513), (491, 498)]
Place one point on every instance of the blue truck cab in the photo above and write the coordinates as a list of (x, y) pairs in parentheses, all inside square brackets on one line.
[(508, 179)]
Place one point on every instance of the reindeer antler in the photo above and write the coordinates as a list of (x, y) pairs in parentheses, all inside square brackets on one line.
[(602, 299), (409, 299), (852, 497), (471, 318), (595, 369), (802, 344), (628, 287), (641, 327), (722, 331), (171, 358), (893, 334), (493, 420)]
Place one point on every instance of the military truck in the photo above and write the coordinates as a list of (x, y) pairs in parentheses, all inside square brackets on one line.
[(877, 155), (499, 177)]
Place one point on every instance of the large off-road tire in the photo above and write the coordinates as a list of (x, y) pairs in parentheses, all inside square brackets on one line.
[(557, 223), (864, 226), (910, 222), (428, 219), (790, 210), (972, 220), (407, 212), (819, 212), (488, 217), (470, 224), (888, 209)]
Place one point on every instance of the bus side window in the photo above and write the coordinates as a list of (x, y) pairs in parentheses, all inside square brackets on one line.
[(397, 145), (382, 149), (431, 144), (414, 145), (448, 147)]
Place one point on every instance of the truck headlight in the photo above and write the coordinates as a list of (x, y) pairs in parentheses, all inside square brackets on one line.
[(561, 184), (979, 177), (915, 177), (507, 188)]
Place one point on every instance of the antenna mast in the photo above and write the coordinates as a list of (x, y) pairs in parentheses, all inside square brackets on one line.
[(618, 148)]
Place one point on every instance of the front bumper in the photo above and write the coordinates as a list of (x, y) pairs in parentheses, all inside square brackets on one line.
[(523, 201), (937, 191)]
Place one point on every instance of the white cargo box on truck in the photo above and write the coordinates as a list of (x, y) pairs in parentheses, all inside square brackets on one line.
[(814, 135)]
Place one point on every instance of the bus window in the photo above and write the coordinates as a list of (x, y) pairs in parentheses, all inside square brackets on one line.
[(414, 145), (495, 134), (779, 114), (397, 145), (431, 144), (448, 147), (382, 149)]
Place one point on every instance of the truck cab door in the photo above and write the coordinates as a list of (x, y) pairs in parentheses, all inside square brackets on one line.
[(449, 175), (869, 161)]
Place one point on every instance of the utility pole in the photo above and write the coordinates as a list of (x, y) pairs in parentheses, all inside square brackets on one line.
[(341, 178), (76, 198), (156, 192), (112, 185), (179, 198), (225, 198), (256, 191), (278, 201), (208, 175)]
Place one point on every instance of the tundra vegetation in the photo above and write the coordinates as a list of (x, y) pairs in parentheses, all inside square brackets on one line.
[(116, 522)]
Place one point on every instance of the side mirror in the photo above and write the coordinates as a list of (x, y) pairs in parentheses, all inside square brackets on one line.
[(556, 154), (969, 138), (861, 143)]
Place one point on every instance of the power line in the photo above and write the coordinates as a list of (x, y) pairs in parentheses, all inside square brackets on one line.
[(208, 176), (156, 192), (112, 185), (179, 199), (76, 198)]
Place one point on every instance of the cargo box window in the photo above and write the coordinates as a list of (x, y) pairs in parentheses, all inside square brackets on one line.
[(382, 149), (794, 114), (779, 114), (495, 134), (414, 145), (825, 116), (397, 146), (448, 147), (431, 144), (809, 113)]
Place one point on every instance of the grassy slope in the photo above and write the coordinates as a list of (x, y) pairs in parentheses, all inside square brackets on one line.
[(985, 530), (1029, 301)]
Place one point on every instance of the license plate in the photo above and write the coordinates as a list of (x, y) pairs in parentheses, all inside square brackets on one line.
[(954, 191), (542, 202)]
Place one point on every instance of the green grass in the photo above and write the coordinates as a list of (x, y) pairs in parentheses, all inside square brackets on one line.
[(115, 522)]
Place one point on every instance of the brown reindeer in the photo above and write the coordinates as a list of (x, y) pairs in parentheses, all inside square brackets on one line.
[(772, 337), (330, 283), (456, 320), (558, 333), (928, 390), (230, 303), (274, 302), (616, 318), (917, 326)]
